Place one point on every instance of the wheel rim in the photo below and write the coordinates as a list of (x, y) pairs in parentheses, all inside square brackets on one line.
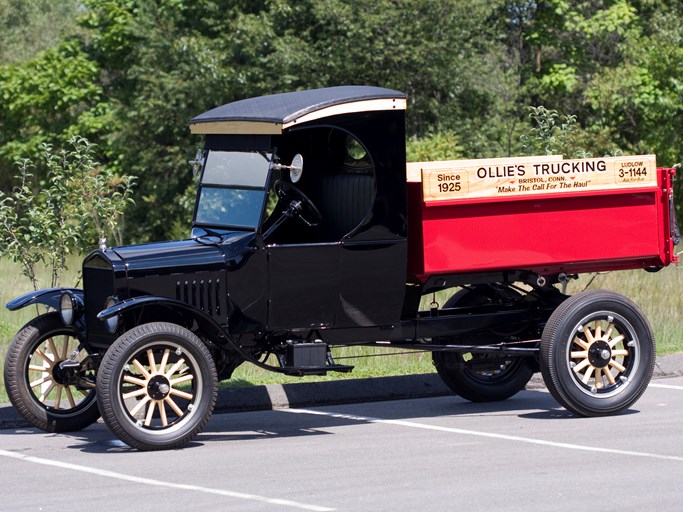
[(603, 354), (52, 387), (503, 370), (160, 386)]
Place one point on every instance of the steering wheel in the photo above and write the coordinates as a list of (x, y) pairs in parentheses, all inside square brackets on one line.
[(299, 204)]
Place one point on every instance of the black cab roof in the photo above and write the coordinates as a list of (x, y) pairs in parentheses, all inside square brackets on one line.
[(271, 115)]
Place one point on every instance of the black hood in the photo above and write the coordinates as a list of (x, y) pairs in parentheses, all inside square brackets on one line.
[(184, 256)]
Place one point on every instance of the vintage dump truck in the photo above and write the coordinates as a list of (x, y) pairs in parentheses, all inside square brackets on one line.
[(311, 232)]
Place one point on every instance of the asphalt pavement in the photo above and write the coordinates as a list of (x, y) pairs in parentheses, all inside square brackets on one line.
[(346, 391), (437, 453)]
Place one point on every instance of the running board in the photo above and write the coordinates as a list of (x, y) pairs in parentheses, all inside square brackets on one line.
[(319, 370)]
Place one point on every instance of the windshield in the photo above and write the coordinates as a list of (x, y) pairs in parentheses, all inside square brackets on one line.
[(233, 189)]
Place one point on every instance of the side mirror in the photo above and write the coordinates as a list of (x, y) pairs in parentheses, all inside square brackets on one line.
[(296, 169), (197, 163)]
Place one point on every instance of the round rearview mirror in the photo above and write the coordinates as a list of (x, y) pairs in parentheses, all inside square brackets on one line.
[(197, 163), (297, 168)]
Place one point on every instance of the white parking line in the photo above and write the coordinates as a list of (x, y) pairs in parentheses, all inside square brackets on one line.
[(528, 440), (665, 386), (160, 483)]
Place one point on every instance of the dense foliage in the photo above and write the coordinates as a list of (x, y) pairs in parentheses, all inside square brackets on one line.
[(129, 74)]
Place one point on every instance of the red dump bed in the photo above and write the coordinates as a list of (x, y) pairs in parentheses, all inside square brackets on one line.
[(542, 214)]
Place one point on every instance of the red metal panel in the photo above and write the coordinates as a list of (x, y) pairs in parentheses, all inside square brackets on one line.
[(589, 231)]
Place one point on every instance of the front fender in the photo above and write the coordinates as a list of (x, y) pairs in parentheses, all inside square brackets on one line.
[(207, 324), (49, 297)]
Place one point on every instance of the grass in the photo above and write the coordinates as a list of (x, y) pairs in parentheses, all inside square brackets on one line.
[(659, 295)]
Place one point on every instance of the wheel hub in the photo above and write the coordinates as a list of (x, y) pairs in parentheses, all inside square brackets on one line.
[(158, 387), (599, 354), (65, 376)]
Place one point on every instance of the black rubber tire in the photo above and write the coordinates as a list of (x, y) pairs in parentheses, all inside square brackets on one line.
[(502, 380), (567, 350), (18, 378), (172, 343), (491, 385)]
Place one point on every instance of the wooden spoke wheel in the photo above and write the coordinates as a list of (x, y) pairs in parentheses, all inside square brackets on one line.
[(157, 386), (49, 395), (597, 353)]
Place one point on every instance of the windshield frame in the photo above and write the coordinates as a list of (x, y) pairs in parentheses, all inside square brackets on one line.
[(238, 183)]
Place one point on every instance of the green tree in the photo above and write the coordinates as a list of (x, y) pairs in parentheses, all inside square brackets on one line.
[(434, 146), (613, 63), (30, 26), (48, 99), (142, 68), (167, 61)]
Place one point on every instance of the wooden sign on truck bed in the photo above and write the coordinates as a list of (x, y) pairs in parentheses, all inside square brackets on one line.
[(517, 177)]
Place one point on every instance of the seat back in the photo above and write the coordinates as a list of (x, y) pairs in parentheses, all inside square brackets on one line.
[(345, 200)]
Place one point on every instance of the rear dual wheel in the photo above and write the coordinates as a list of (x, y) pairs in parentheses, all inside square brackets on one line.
[(597, 353), (157, 386), (481, 377)]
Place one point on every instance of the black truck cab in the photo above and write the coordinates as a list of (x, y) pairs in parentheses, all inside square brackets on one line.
[(338, 258), (277, 251)]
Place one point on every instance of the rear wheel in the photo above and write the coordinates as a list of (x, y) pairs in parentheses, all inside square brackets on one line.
[(597, 353), (480, 377), (157, 386), (49, 396)]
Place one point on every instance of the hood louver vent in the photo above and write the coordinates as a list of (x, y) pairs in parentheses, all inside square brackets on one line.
[(204, 294)]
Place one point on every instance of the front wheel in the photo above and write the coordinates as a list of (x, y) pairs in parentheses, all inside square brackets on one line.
[(597, 353), (157, 386), (51, 396)]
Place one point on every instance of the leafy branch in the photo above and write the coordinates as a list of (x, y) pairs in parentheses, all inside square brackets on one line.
[(79, 202), (551, 133)]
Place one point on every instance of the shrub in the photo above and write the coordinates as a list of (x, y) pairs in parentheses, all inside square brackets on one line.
[(79, 201)]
